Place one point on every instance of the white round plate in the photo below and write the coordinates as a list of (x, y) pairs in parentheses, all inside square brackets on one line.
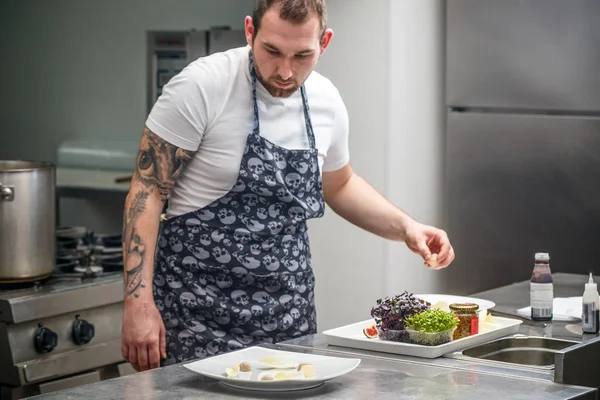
[(449, 299), (326, 368), (272, 386)]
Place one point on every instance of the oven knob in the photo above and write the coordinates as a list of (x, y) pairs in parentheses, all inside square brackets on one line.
[(83, 331), (45, 340)]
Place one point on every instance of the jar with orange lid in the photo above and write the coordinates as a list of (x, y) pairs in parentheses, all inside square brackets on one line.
[(468, 319)]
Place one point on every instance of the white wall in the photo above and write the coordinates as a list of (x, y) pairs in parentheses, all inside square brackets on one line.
[(415, 140), (73, 76), (387, 60), (348, 261)]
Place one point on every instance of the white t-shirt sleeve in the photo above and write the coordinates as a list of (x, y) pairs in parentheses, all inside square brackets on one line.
[(183, 111), (338, 154)]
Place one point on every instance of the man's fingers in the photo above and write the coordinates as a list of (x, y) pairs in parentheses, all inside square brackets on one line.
[(154, 355), (124, 351), (449, 258), (445, 256), (442, 242), (163, 343), (434, 246), (132, 357), (423, 250), (142, 353)]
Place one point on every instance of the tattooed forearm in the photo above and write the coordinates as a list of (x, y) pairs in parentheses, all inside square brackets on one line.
[(133, 247), (138, 205), (159, 163), (135, 262)]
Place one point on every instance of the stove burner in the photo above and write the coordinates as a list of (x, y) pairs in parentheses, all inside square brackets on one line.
[(112, 266), (80, 252), (72, 237), (109, 241), (66, 243), (67, 260), (111, 262)]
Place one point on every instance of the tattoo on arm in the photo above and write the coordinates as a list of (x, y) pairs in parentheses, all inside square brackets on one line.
[(159, 164), (135, 260), (134, 249), (138, 205)]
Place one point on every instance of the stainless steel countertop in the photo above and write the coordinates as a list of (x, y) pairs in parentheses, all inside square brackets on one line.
[(379, 376), (374, 379)]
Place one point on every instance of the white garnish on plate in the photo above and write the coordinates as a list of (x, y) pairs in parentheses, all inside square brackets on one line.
[(281, 375), (237, 373), (232, 372), (279, 362), (308, 370)]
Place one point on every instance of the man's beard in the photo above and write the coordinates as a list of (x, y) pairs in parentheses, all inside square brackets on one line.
[(272, 88)]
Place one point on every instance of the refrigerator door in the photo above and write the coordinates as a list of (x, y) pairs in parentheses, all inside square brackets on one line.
[(533, 54), (202, 43), (196, 45), (520, 184), (225, 39)]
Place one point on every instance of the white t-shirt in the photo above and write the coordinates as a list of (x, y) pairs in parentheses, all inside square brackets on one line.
[(208, 107)]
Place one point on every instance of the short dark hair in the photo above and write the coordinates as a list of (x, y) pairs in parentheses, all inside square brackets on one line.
[(294, 11)]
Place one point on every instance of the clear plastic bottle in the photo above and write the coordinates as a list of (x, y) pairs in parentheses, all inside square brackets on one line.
[(541, 289), (590, 308)]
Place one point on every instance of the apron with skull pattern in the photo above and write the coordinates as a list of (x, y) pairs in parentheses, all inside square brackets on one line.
[(237, 272)]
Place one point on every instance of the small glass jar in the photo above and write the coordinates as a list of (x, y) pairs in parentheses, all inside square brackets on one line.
[(468, 319)]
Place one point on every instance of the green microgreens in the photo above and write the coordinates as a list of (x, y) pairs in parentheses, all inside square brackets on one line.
[(431, 320)]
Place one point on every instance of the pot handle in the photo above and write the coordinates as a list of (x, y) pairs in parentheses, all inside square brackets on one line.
[(7, 193)]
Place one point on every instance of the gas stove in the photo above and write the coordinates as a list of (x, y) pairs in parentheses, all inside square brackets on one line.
[(80, 251), (66, 330)]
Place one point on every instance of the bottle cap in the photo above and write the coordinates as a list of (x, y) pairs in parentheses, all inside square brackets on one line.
[(464, 307), (591, 284), (542, 257)]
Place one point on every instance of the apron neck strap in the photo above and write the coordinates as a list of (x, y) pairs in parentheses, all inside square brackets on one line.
[(305, 106)]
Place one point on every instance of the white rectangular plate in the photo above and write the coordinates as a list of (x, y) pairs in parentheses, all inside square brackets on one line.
[(352, 336), (326, 368), (565, 309)]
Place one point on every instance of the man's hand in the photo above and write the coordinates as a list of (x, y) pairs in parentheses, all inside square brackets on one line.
[(143, 336), (428, 241)]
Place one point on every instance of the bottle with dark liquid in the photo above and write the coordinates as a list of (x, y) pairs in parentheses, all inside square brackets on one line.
[(541, 289)]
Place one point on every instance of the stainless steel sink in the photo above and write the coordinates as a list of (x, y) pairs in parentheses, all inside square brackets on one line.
[(524, 351), (534, 351)]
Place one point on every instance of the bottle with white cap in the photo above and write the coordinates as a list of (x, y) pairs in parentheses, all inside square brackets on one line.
[(591, 307), (542, 289)]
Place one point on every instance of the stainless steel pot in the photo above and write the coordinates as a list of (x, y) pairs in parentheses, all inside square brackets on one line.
[(27, 220)]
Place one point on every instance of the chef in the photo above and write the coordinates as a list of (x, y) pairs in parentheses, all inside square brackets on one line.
[(247, 145)]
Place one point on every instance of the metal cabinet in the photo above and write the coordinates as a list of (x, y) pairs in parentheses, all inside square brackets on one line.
[(527, 54), (518, 184), (523, 138)]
